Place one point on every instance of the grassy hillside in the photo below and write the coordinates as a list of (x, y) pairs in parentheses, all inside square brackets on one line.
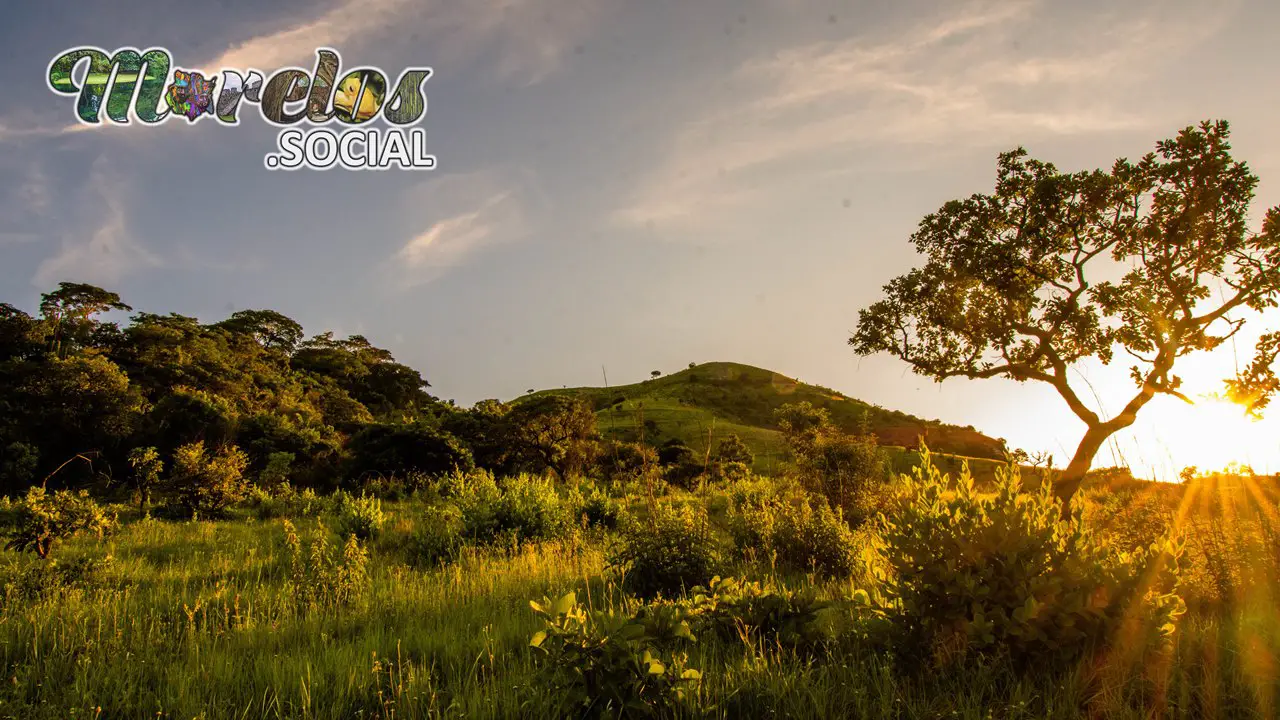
[(714, 400)]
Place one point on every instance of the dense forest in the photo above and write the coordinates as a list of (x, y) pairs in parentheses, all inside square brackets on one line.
[(80, 395)]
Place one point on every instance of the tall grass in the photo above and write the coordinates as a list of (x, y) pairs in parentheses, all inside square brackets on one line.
[(195, 620)]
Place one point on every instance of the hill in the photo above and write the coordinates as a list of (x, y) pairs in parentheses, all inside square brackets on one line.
[(714, 400)]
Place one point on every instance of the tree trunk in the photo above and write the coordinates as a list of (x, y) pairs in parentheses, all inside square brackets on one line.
[(1068, 482)]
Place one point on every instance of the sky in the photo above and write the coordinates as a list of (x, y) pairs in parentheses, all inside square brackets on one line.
[(630, 185)]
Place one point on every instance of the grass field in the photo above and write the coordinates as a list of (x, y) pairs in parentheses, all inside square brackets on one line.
[(194, 619)]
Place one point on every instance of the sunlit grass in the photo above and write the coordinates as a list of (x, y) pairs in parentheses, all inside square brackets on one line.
[(194, 621)]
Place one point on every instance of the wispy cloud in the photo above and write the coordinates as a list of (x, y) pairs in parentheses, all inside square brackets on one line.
[(96, 243), (527, 40), (523, 41), (949, 81), (484, 209)]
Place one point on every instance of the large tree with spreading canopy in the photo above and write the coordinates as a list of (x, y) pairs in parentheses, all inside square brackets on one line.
[(1149, 259)]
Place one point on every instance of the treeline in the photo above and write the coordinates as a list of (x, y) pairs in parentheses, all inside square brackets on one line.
[(87, 401)]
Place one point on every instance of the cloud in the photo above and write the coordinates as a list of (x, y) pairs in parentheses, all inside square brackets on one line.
[(484, 209), (970, 76), (528, 40), (96, 244), (523, 41)]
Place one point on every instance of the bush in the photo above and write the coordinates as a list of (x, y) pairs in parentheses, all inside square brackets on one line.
[(37, 581), (729, 472), (745, 611), (1005, 574), (520, 508), (146, 466), (529, 508), (796, 534), (207, 483), (284, 501), (359, 516), (438, 537), (277, 470), (733, 450), (676, 551), (40, 519), (605, 664), (322, 578), (594, 508), (397, 449)]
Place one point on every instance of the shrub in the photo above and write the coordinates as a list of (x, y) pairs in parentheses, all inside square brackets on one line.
[(279, 466), (594, 508), (438, 537), (359, 516), (520, 508), (284, 501), (1006, 574), (676, 551), (848, 470), (529, 508), (606, 664), (797, 534), (746, 611), (323, 578), (37, 581), (207, 483), (146, 465), (728, 472), (40, 519), (392, 448), (733, 450)]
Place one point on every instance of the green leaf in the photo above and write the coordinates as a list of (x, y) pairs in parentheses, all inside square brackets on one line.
[(565, 603)]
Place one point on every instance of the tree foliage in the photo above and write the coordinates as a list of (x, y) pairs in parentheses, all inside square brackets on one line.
[(1054, 268)]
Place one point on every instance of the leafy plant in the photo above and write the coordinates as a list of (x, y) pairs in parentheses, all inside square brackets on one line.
[(40, 519), (797, 534), (674, 552), (608, 664), (750, 611), (146, 465), (359, 516), (323, 578), (207, 483), (439, 535), (1004, 573)]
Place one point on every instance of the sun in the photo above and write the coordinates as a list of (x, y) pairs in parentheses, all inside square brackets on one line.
[(1211, 434)]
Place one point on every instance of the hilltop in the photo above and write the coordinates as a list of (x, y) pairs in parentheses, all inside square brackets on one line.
[(717, 399)]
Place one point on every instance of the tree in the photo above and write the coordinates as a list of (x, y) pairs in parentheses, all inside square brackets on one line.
[(843, 468), (400, 448), (69, 312), (1055, 268), (553, 431), (655, 374), (268, 327), (147, 466), (41, 519), (207, 482), (732, 449)]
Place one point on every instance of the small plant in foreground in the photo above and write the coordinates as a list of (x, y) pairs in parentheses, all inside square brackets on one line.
[(607, 664), (40, 519)]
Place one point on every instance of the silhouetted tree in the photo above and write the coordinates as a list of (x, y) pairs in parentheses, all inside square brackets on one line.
[(1054, 268)]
